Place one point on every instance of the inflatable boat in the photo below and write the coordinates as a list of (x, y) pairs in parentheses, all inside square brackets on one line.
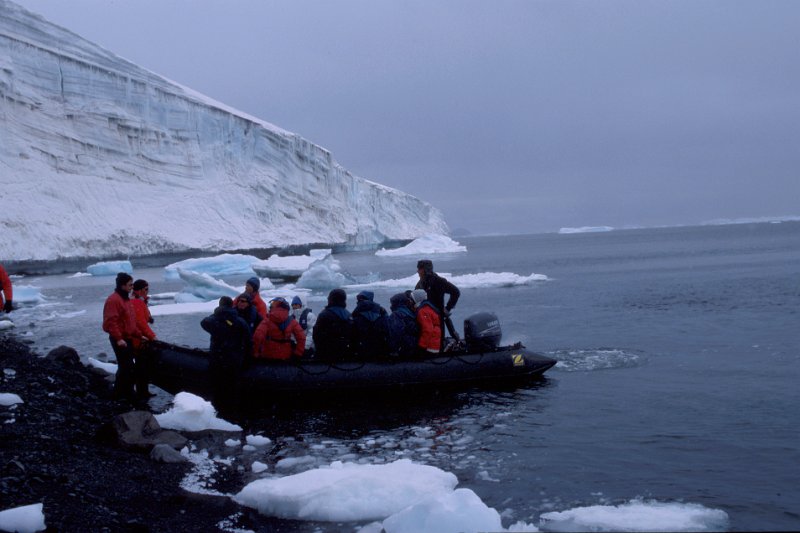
[(478, 361)]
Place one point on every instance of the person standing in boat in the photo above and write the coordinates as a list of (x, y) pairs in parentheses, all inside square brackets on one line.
[(436, 287), (306, 318), (230, 345), (370, 327), (251, 287), (429, 323), (141, 353), (279, 336), (119, 321), (6, 290), (333, 332), (247, 311), (403, 329)]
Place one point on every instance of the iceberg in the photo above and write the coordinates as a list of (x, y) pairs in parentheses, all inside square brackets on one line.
[(288, 267), (201, 287), (323, 274), (25, 519), (89, 130), (219, 265), (110, 268), (586, 229), (28, 294), (347, 492), (465, 281), (426, 245), (193, 413), (637, 515)]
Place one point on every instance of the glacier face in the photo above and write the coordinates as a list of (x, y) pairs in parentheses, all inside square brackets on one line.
[(100, 157)]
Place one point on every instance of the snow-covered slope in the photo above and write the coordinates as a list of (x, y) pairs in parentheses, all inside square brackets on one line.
[(100, 157)]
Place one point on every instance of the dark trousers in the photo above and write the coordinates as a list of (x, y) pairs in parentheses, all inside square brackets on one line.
[(132, 371), (126, 371)]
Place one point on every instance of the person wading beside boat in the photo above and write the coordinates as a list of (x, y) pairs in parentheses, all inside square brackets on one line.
[(436, 287), (6, 290), (279, 336), (333, 332), (141, 352), (231, 344), (429, 323), (119, 321)]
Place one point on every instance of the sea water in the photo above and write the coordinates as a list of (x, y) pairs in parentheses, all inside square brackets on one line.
[(677, 381)]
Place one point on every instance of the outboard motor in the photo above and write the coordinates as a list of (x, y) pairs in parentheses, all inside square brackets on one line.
[(482, 332)]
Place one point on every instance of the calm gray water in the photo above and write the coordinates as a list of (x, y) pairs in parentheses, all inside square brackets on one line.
[(679, 354)]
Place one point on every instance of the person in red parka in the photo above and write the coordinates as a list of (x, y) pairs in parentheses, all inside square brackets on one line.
[(141, 352), (279, 336), (141, 290), (119, 321), (429, 322), (6, 290), (251, 287)]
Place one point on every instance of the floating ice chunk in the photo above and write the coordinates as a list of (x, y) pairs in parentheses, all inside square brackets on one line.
[(586, 229), (290, 266), (323, 274), (219, 265), (25, 519), (258, 467), (291, 462), (80, 275), (637, 515), (257, 440), (8, 398), (193, 413), (111, 368), (186, 308), (28, 294), (203, 287), (6, 324), (426, 245), (464, 281), (458, 511), (110, 268), (348, 492), (233, 443)]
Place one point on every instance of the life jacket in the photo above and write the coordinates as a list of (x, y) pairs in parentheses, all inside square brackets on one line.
[(303, 320)]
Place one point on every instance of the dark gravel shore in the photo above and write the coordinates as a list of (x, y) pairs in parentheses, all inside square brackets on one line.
[(54, 453)]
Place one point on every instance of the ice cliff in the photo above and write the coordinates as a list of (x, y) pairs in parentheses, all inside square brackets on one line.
[(100, 157)]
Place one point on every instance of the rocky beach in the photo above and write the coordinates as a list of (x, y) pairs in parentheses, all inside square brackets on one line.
[(57, 448)]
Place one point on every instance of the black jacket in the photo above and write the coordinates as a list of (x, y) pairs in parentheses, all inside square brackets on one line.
[(231, 342), (436, 287), (333, 333)]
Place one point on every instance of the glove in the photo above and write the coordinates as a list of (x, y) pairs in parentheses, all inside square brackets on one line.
[(8, 307), (447, 312)]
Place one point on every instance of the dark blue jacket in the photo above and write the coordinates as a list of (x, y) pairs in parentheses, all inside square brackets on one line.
[(370, 330), (403, 332)]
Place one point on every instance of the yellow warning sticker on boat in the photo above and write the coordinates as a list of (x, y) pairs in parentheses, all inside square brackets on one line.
[(518, 358)]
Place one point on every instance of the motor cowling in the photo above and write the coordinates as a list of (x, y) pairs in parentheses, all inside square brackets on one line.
[(482, 332)]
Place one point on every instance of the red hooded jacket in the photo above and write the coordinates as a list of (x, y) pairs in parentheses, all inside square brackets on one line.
[(5, 282), (269, 342), (119, 318), (142, 314), (430, 328)]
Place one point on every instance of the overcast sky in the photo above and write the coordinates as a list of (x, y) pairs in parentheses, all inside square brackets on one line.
[(512, 115)]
